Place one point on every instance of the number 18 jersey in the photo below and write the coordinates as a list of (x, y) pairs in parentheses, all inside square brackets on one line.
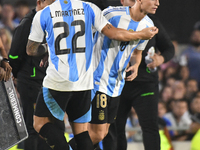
[(68, 27)]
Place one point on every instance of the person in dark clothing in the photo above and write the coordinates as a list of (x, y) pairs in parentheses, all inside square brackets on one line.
[(142, 94), (29, 77)]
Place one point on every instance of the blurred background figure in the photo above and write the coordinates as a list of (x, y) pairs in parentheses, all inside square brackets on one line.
[(22, 8), (191, 89), (179, 90), (179, 117), (6, 37), (7, 17), (192, 53)]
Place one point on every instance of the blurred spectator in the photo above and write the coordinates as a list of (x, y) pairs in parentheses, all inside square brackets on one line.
[(6, 37), (195, 106), (179, 90), (191, 88), (179, 117), (168, 73), (21, 8), (183, 73), (195, 116), (7, 17), (170, 81), (162, 110), (166, 94), (192, 53), (133, 121)]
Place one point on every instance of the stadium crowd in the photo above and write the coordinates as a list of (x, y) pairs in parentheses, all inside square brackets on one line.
[(179, 79)]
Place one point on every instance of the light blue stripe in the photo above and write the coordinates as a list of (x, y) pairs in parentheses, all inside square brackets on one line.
[(47, 24), (73, 71), (99, 71), (89, 20), (115, 68), (85, 118), (52, 105)]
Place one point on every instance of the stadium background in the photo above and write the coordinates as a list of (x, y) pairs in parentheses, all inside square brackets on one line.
[(177, 16)]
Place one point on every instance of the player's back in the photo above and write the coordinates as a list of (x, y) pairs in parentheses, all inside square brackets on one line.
[(68, 25)]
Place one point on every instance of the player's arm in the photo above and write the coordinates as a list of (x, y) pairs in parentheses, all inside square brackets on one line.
[(35, 48), (135, 61), (5, 63), (124, 35)]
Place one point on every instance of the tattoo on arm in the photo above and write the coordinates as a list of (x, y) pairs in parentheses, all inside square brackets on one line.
[(35, 49), (108, 26)]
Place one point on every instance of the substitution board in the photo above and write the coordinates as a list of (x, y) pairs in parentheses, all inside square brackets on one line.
[(12, 125)]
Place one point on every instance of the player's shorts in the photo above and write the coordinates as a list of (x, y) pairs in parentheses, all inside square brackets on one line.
[(76, 104), (104, 108)]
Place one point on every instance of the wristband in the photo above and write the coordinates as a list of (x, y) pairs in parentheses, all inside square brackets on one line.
[(6, 60)]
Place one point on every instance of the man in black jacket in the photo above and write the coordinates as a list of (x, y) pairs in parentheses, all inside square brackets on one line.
[(142, 94), (29, 75)]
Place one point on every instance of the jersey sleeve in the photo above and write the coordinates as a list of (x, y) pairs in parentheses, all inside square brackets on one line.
[(99, 21), (142, 44), (37, 32)]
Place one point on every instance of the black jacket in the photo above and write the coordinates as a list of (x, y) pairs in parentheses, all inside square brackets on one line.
[(25, 67), (161, 42)]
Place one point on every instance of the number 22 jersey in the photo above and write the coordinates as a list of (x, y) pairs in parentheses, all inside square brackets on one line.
[(68, 27)]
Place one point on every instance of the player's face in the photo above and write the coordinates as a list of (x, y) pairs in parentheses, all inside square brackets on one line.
[(149, 6)]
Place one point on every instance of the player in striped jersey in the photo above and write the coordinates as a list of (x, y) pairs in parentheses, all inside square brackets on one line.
[(69, 80), (112, 60)]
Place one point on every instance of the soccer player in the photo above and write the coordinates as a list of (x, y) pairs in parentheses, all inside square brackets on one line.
[(29, 76), (142, 94), (5, 68), (111, 62), (69, 80)]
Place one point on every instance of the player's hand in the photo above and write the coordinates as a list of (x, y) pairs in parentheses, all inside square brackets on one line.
[(157, 61), (148, 33), (2, 74), (44, 61), (134, 72), (8, 70)]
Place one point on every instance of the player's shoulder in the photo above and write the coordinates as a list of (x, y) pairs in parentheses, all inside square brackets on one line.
[(112, 11), (148, 21)]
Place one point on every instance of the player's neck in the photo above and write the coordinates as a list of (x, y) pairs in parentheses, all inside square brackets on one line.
[(136, 13)]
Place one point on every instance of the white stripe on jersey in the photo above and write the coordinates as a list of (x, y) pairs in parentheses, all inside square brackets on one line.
[(80, 57), (112, 53), (63, 59), (69, 70), (110, 72)]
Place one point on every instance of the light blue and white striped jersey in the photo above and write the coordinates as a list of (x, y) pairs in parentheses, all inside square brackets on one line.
[(68, 27), (110, 63)]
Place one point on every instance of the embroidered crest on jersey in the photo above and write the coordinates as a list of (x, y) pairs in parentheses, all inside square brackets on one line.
[(65, 1), (101, 115)]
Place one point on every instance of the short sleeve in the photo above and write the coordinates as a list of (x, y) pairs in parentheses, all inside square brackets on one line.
[(99, 21), (142, 44), (36, 33)]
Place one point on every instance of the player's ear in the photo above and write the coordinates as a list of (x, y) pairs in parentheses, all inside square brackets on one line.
[(38, 2), (139, 1), (122, 2)]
